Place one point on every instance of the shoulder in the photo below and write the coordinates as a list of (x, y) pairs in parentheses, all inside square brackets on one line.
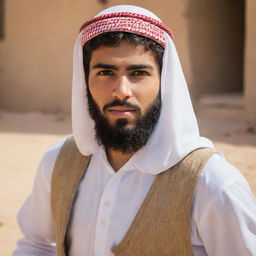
[(224, 210), (218, 173), (48, 161), (221, 187)]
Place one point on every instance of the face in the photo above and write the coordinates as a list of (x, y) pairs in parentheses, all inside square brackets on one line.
[(123, 81)]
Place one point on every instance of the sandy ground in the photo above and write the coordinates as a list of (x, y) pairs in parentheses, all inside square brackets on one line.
[(25, 137)]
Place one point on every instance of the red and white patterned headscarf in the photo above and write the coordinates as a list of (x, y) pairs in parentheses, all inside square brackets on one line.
[(125, 22), (176, 134)]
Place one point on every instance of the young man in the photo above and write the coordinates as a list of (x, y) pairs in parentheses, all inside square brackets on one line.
[(152, 185)]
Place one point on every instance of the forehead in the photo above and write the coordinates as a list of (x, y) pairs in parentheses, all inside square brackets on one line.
[(123, 53)]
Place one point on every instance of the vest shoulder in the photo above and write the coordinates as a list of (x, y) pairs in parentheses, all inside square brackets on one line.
[(219, 171), (218, 174), (50, 156)]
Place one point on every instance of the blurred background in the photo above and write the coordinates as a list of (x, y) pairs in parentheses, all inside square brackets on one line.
[(216, 44)]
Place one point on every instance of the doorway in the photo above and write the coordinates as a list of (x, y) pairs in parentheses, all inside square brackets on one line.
[(216, 45)]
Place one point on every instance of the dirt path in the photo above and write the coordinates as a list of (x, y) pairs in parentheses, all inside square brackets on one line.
[(25, 137)]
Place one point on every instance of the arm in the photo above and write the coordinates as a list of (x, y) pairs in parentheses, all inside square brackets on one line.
[(35, 218), (225, 211)]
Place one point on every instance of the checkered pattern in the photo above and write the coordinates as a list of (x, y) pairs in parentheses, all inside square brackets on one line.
[(126, 22)]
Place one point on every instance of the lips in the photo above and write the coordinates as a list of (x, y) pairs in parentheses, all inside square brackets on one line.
[(121, 111), (117, 104)]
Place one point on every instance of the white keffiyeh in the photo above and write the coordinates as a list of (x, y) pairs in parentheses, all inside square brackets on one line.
[(176, 133)]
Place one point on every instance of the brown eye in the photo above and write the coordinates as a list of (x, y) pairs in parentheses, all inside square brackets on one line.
[(106, 72), (140, 73)]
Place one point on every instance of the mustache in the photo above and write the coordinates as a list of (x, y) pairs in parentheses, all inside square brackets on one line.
[(117, 102)]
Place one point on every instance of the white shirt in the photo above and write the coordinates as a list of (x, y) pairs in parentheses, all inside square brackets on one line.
[(223, 217)]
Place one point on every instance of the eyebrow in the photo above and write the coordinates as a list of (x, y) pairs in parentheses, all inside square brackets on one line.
[(139, 66), (130, 67), (104, 66)]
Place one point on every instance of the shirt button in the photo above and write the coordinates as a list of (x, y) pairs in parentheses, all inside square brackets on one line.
[(103, 222), (106, 203)]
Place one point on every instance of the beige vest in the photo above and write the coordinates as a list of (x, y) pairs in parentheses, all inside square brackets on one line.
[(162, 224)]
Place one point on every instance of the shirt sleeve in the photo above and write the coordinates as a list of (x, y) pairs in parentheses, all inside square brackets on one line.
[(226, 214), (35, 218)]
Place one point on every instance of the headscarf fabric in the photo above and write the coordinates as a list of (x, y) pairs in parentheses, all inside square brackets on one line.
[(176, 133)]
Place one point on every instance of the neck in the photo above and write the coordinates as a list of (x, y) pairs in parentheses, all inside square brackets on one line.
[(117, 159)]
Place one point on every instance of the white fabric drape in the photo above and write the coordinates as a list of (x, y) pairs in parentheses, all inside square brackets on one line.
[(176, 133)]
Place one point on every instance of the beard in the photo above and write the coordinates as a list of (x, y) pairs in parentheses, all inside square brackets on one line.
[(118, 137)]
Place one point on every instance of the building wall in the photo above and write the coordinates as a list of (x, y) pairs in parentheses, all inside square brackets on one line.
[(216, 45), (36, 53), (250, 60)]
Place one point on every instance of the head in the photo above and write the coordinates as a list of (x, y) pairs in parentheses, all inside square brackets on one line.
[(122, 72), (176, 132)]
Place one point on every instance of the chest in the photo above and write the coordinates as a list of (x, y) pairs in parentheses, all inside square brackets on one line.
[(105, 207), (164, 215)]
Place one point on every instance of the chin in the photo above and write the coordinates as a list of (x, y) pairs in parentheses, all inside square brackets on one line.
[(124, 123)]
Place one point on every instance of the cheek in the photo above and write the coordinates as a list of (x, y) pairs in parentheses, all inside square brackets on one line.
[(99, 93), (147, 94)]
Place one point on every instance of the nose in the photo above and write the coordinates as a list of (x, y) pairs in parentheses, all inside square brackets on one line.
[(122, 89)]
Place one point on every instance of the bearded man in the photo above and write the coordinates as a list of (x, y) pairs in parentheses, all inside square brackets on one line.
[(135, 178)]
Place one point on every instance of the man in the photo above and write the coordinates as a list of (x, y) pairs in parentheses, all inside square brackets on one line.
[(131, 112)]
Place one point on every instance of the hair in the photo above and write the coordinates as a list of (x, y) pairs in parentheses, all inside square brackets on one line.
[(113, 39), (118, 137)]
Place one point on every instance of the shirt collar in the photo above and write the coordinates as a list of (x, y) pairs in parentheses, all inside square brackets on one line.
[(128, 166)]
